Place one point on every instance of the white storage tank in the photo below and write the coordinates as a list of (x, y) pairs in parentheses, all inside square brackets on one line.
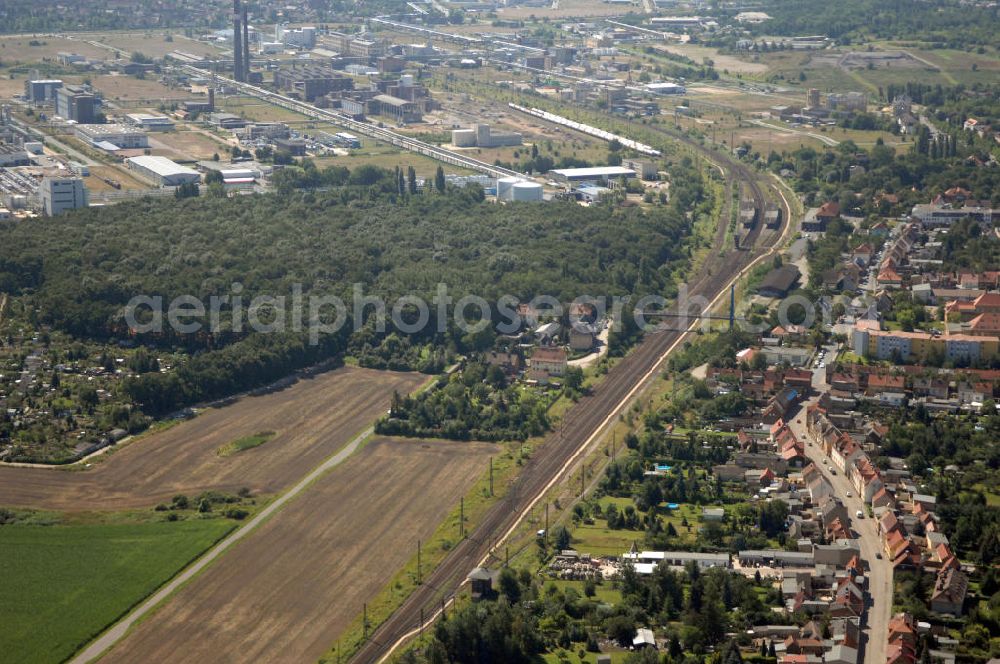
[(526, 191), (504, 186)]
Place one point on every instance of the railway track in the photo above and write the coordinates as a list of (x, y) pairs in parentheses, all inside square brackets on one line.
[(551, 459), (741, 173)]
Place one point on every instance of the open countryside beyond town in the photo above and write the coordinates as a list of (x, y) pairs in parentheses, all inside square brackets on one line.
[(500, 332)]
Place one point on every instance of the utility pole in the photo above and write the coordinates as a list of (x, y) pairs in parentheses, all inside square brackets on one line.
[(583, 476), (419, 581), (491, 477), (732, 302), (364, 621), (461, 518), (546, 520)]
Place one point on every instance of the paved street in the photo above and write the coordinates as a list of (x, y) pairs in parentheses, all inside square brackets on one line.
[(876, 620)]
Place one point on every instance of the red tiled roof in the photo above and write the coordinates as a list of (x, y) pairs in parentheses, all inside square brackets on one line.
[(829, 209)]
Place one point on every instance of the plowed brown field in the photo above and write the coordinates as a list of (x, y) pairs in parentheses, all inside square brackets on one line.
[(285, 593), (312, 419)]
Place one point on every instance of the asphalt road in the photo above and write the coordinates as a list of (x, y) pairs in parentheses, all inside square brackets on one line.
[(875, 622)]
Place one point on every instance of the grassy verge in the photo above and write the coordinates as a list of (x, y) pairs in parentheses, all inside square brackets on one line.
[(245, 443), (63, 585), (433, 551)]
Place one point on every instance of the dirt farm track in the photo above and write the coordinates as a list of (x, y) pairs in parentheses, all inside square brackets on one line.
[(286, 593), (312, 419)]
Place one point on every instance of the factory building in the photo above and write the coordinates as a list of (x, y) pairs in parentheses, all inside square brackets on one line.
[(150, 122), (484, 137), (76, 103), (598, 174), (353, 46), (304, 37), (666, 88), (311, 81), (11, 155), (112, 136), (848, 102), (163, 171), (399, 109), (647, 170), (61, 194), (41, 91)]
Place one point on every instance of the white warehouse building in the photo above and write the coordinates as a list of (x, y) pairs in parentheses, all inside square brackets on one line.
[(163, 171), (150, 121), (112, 136)]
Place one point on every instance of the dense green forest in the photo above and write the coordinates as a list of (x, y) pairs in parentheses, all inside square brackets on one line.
[(944, 22), (77, 272)]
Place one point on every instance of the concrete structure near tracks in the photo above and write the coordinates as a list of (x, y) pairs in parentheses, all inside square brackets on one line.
[(483, 136)]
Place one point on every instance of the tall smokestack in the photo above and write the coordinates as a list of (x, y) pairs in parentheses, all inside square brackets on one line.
[(246, 46), (237, 42)]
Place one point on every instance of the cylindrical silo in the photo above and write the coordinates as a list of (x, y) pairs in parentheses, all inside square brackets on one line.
[(526, 191), (504, 188)]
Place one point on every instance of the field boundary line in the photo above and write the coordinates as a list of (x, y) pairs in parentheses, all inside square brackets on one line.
[(116, 632)]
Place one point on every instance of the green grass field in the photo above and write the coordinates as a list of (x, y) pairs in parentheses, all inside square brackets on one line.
[(62, 585), (599, 540), (245, 443)]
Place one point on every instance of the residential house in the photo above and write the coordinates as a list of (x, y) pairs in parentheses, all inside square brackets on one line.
[(862, 255), (546, 363), (845, 277), (902, 640), (817, 220), (849, 600), (511, 363), (949, 592), (883, 499), (845, 452), (888, 277)]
